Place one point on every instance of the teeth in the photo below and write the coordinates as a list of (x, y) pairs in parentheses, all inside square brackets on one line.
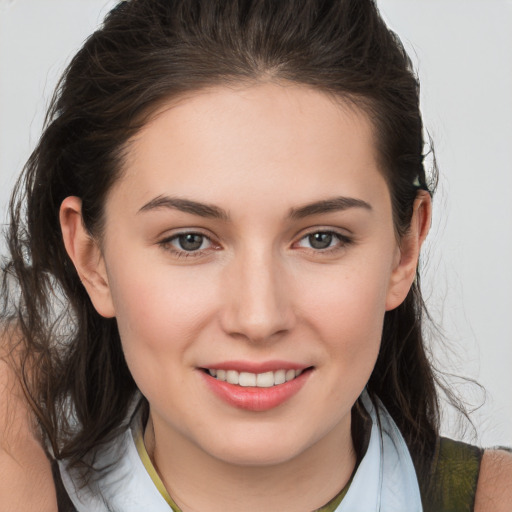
[(232, 377), (247, 379), (260, 380), (290, 375), (265, 380), (280, 377)]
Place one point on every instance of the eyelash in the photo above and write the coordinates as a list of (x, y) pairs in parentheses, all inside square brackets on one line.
[(167, 243)]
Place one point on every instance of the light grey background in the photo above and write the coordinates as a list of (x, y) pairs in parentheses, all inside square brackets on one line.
[(463, 51)]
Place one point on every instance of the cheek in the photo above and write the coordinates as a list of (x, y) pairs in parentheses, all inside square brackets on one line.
[(159, 315), (158, 299), (347, 307), (347, 298)]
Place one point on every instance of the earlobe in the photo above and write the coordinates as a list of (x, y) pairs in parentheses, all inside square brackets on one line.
[(86, 256), (404, 272)]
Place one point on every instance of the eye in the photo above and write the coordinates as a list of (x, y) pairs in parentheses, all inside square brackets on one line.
[(323, 240), (187, 244), (190, 242)]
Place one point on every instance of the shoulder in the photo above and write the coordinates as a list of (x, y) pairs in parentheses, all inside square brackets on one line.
[(26, 481), (465, 475), (494, 490), (452, 481)]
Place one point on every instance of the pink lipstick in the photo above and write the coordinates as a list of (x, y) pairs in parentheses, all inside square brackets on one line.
[(256, 386)]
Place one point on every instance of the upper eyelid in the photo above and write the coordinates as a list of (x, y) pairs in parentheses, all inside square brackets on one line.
[(166, 240), (172, 234), (343, 233), (341, 236)]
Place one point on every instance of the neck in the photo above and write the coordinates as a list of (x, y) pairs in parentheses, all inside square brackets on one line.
[(198, 481)]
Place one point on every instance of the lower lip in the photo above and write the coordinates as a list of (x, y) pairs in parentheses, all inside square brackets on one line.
[(254, 398)]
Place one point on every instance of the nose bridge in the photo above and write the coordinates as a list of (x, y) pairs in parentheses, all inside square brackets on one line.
[(258, 305)]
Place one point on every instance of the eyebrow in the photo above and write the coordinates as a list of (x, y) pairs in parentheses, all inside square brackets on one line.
[(214, 212), (187, 206), (328, 205)]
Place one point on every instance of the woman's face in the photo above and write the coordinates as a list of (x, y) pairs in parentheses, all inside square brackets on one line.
[(251, 237)]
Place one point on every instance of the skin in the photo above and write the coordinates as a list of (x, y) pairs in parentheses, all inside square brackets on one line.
[(26, 481), (256, 291), (494, 491)]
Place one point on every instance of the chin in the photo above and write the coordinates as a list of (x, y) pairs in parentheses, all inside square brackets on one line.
[(259, 450), (258, 457)]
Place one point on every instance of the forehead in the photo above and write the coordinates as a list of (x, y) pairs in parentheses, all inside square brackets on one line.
[(285, 141)]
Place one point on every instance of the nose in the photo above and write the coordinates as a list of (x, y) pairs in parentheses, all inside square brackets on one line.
[(257, 302)]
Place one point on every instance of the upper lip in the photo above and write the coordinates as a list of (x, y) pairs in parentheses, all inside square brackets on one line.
[(256, 367)]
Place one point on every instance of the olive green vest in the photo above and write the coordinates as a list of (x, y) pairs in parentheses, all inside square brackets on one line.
[(455, 472)]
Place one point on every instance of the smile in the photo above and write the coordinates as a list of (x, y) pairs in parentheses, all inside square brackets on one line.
[(256, 391), (259, 380)]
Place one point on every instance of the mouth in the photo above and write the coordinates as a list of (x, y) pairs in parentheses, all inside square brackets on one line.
[(256, 391), (259, 380)]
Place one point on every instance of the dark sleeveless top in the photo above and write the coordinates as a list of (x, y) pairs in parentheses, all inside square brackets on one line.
[(455, 470)]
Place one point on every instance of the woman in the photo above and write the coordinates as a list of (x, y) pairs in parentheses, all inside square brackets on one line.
[(228, 204)]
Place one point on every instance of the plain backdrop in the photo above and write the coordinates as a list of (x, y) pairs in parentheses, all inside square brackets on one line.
[(462, 50)]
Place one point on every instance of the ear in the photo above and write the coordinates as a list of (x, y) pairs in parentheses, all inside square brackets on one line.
[(404, 272), (86, 255)]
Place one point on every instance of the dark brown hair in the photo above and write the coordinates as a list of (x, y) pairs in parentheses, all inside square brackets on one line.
[(146, 52)]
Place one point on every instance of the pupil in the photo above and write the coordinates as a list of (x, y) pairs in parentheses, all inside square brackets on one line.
[(191, 242), (320, 240)]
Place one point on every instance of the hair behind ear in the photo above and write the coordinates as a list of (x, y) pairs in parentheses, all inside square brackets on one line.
[(403, 379)]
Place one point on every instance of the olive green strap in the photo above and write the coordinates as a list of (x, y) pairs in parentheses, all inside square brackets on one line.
[(333, 504), (454, 478)]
